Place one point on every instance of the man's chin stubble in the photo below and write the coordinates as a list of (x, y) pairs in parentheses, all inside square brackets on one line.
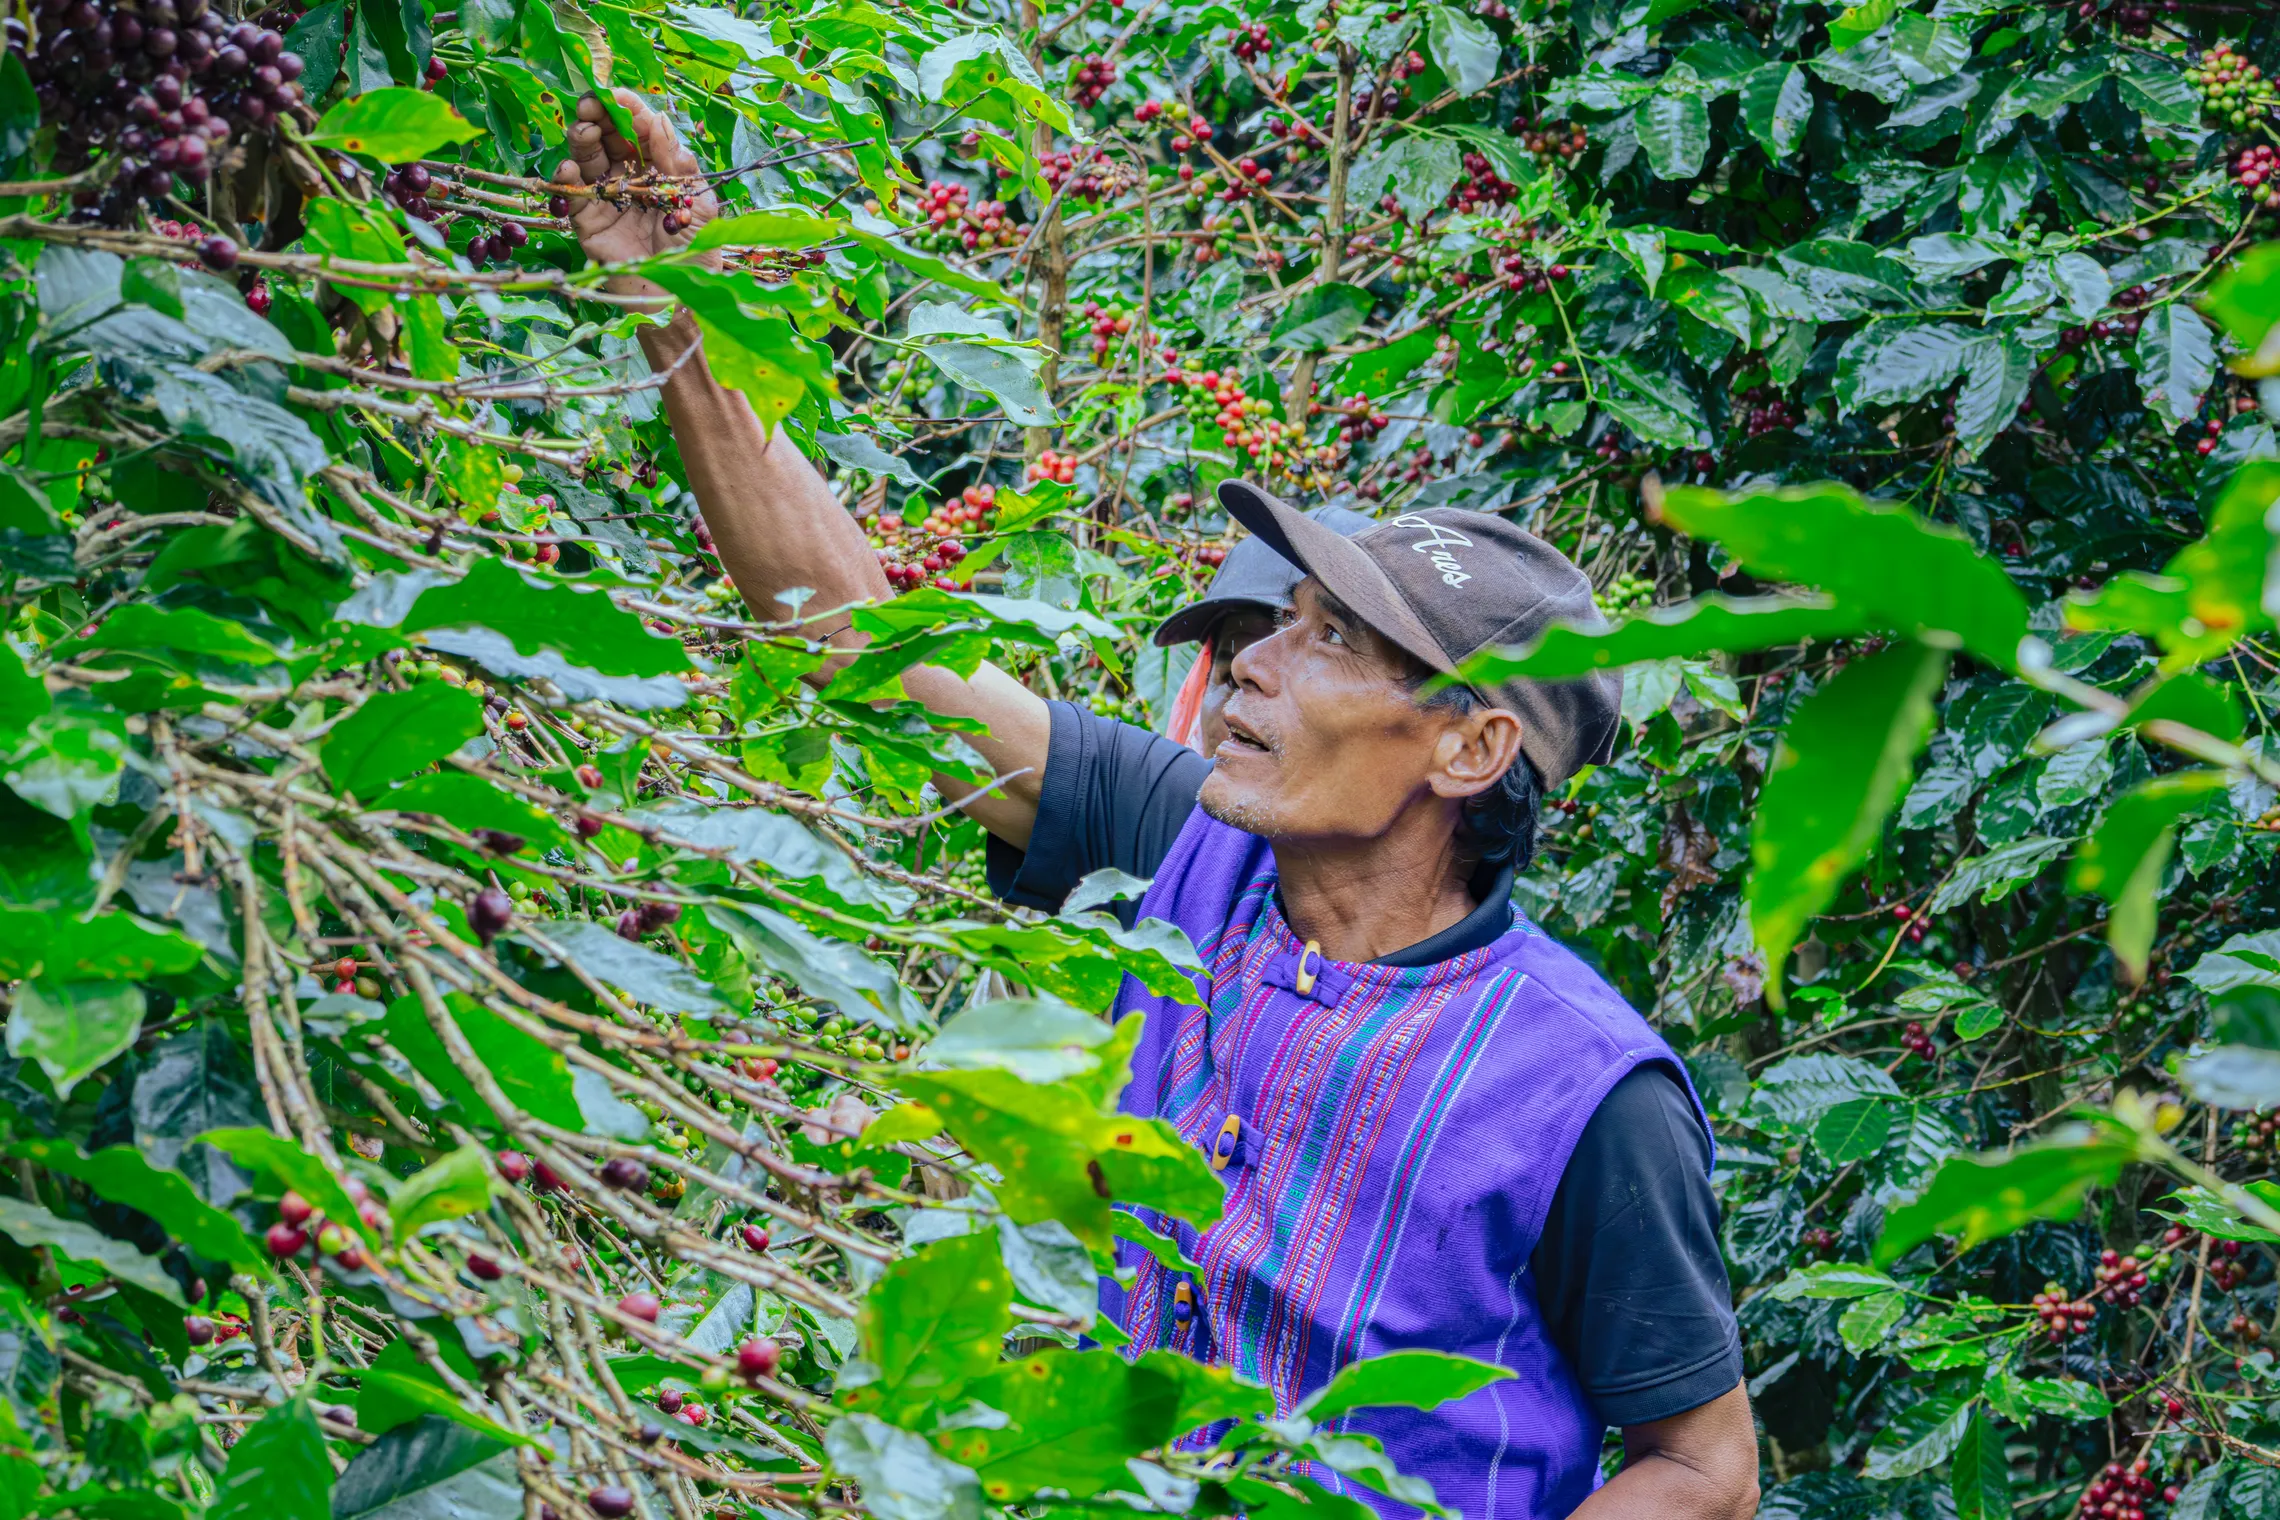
[(1242, 813)]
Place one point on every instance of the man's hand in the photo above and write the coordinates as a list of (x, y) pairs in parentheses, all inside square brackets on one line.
[(1700, 1465), (615, 234), (775, 522)]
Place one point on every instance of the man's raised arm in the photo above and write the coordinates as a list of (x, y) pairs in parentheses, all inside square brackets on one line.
[(771, 516)]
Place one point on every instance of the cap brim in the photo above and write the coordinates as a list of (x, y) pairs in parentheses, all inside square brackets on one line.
[(1195, 620), (1338, 563)]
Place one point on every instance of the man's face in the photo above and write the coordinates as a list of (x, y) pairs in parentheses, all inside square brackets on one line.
[(1323, 739), (1236, 632)]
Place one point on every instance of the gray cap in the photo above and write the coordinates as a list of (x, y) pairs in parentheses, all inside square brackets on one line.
[(1446, 583), (1253, 575)]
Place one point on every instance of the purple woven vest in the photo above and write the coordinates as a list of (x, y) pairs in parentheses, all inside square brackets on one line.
[(1401, 1133)]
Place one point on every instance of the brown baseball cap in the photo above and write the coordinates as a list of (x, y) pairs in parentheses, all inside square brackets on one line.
[(1446, 583)]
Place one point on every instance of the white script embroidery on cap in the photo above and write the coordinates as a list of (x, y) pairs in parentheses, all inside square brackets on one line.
[(1437, 545)]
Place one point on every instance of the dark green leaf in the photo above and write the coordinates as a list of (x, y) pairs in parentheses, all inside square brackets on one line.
[(1853, 1130), (903, 1478), (432, 1469), (583, 626), (72, 1028), (1324, 314), (2176, 360), (1980, 1198), (458, 1185), (120, 1174), (532, 1075), (929, 1327), (396, 733), (30, 1225), (2122, 861), (1918, 578), (1980, 1477), (278, 1470), (1465, 49), (1842, 764), (1674, 128)]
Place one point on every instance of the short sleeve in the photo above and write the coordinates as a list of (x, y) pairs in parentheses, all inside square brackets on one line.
[(1113, 795), (1629, 1275)]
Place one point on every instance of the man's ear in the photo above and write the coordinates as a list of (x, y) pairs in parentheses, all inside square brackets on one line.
[(1474, 752)]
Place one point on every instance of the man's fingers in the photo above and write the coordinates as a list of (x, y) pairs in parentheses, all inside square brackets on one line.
[(660, 144), (586, 151)]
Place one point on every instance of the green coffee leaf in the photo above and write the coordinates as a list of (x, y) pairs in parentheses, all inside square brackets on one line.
[(1980, 1198), (931, 1326), (120, 1173), (1411, 1379), (396, 733), (393, 125), (278, 1470), (1843, 762), (72, 1028), (28, 1224), (1980, 1477), (458, 1185), (2123, 858)]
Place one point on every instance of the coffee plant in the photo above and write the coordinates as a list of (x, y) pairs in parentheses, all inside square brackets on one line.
[(486, 1037)]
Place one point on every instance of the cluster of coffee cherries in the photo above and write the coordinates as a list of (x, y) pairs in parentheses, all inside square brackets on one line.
[(1917, 1041), (2124, 326), (408, 185), (2121, 1279), (2256, 1135), (2233, 90), (351, 975), (1192, 129), (1244, 421), (536, 514), (2226, 1269), (1820, 1239), (2210, 431), (1252, 41), (1094, 73), (2061, 1316), (954, 221), (1480, 186), (1548, 140), (1049, 465), (1212, 241), (1522, 273), (299, 1226), (1360, 419), (1765, 410), (923, 558), (499, 245), (2255, 171), (1108, 324), (1284, 128), (1249, 178), (1626, 594), (160, 85), (1914, 921), (1089, 174), (2122, 1492)]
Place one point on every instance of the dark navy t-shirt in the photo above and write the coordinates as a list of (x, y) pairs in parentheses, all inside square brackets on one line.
[(1629, 1276)]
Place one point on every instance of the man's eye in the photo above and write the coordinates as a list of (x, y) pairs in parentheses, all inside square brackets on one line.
[(1332, 634)]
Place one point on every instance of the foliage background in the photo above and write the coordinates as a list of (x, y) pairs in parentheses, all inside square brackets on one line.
[(399, 799)]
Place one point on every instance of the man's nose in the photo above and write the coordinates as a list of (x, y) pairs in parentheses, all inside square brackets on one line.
[(1257, 663)]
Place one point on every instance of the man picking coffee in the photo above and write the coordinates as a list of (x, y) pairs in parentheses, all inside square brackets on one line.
[(1437, 1127)]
